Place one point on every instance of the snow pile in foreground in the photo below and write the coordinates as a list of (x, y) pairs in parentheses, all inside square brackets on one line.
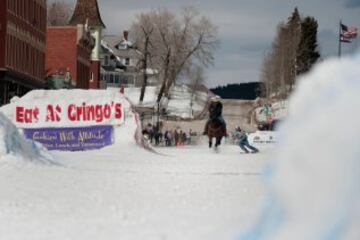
[(314, 182), (12, 143)]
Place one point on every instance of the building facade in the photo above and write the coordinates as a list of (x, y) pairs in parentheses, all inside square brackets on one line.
[(22, 47), (121, 63), (87, 13), (68, 54)]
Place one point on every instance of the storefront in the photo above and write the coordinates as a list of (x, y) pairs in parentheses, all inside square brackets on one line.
[(12, 84)]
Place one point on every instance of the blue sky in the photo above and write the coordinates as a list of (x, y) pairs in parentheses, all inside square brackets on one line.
[(246, 28)]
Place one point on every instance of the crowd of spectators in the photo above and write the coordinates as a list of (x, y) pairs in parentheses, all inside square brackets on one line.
[(175, 137)]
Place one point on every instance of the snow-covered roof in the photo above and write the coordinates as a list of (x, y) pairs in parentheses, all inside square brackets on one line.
[(112, 42), (151, 71)]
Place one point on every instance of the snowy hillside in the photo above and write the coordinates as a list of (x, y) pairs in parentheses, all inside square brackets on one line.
[(179, 103)]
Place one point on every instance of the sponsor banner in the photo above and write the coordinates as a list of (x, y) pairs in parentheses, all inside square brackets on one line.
[(72, 139), (30, 115), (262, 137)]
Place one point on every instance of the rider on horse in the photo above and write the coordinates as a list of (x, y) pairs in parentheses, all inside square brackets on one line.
[(215, 112)]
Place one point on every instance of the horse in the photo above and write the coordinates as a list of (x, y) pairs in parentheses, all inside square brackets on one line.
[(216, 129)]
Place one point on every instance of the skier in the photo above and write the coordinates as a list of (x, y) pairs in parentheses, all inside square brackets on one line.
[(244, 142), (215, 112)]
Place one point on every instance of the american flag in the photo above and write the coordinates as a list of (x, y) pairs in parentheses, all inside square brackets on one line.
[(344, 39), (347, 33)]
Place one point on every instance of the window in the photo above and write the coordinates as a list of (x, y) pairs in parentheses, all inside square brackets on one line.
[(111, 78), (117, 79), (127, 61), (106, 60)]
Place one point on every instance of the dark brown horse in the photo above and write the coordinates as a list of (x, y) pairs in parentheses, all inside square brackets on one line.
[(215, 130)]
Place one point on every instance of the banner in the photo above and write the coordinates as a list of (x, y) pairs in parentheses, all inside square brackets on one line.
[(72, 139), (68, 114), (67, 108), (263, 137)]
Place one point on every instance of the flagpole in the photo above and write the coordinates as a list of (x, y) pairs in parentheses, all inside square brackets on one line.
[(339, 51)]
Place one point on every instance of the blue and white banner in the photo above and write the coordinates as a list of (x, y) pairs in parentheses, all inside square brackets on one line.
[(72, 139)]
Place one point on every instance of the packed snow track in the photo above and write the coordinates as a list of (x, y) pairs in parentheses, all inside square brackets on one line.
[(188, 193)]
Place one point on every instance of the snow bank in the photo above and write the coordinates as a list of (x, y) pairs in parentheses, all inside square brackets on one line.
[(65, 103), (314, 190), (126, 133), (12, 143)]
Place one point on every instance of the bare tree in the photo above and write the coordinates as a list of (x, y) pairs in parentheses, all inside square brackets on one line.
[(294, 26), (142, 29), (59, 13), (176, 42), (196, 41), (282, 54), (267, 76), (196, 76), (274, 69), (279, 66)]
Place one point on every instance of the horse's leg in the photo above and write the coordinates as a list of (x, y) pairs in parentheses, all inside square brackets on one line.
[(218, 141), (210, 142)]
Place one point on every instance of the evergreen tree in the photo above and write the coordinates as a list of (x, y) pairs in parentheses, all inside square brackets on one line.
[(307, 52), (246, 91)]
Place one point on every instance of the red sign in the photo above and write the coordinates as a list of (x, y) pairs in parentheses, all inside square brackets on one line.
[(69, 114)]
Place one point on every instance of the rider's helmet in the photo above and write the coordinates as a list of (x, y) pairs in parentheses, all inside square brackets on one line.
[(215, 99)]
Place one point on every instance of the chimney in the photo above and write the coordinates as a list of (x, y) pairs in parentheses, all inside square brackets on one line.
[(126, 35)]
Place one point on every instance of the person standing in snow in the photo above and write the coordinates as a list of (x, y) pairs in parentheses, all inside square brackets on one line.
[(149, 131), (167, 138), (268, 111), (242, 138), (176, 137), (183, 138)]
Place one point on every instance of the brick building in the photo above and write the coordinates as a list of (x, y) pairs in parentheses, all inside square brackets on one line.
[(68, 54), (87, 12), (22, 47)]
